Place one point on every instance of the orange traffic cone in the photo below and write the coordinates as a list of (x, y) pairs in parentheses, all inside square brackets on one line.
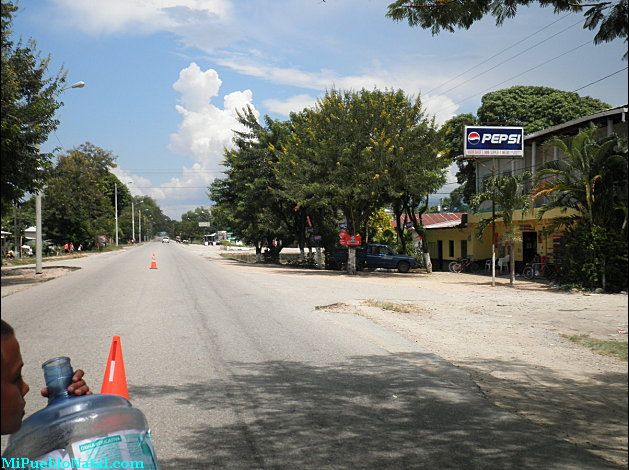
[(115, 379), (153, 262)]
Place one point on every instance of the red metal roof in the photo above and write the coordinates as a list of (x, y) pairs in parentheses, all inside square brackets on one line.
[(441, 218)]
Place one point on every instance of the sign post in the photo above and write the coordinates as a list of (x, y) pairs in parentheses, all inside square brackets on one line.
[(493, 142)]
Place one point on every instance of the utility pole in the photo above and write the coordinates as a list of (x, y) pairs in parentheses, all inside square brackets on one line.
[(493, 224), (18, 246), (140, 225), (132, 223), (116, 209)]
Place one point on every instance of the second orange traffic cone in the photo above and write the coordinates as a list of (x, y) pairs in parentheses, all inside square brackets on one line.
[(153, 262), (115, 379)]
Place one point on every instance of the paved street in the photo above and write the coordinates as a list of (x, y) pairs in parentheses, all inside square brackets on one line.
[(234, 367)]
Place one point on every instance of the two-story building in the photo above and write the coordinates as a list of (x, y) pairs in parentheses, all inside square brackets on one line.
[(532, 234)]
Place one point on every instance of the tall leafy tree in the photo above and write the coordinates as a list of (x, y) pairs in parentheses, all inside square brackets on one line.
[(29, 101), (249, 196), (609, 18), (509, 196), (535, 107), (452, 135), (78, 196)]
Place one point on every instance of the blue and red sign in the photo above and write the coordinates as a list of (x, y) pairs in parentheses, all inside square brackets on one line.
[(486, 141)]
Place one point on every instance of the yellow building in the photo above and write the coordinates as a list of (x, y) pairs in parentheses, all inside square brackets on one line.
[(454, 240)]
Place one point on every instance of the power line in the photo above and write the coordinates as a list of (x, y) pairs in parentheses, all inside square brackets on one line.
[(513, 57), (515, 76), (498, 53), (600, 79)]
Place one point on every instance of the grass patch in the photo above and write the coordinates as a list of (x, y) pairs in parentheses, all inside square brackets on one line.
[(393, 306), (600, 346)]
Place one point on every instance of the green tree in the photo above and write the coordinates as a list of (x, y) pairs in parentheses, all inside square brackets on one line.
[(509, 195), (249, 199), (78, 196), (455, 202), (358, 151), (153, 219), (610, 17), (534, 107), (451, 134), (29, 102), (591, 180)]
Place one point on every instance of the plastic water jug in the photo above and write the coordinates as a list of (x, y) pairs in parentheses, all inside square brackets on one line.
[(73, 432)]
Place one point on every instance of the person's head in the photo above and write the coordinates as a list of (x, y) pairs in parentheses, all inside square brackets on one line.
[(13, 386)]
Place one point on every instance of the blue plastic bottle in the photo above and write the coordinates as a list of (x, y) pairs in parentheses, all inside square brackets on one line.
[(98, 429)]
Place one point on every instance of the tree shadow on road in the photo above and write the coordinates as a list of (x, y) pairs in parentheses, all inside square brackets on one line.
[(592, 413), (395, 411)]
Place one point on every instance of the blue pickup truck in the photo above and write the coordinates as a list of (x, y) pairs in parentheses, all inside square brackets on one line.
[(373, 256)]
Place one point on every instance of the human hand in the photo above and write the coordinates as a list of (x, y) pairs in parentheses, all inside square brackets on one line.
[(78, 386)]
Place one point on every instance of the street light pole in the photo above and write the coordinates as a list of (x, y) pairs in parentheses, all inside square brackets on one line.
[(116, 209), (140, 225), (132, 223), (38, 225)]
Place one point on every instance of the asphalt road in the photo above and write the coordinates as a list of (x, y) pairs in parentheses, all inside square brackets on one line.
[(235, 368)]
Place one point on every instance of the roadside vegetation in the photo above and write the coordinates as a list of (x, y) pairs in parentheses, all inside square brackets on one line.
[(616, 349)]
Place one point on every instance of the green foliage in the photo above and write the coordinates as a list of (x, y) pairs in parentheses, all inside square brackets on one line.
[(588, 253), (509, 195), (79, 197), (77, 204), (29, 102), (535, 107), (380, 227), (153, 219), (250, 199), (455, 203), (354, 153), (604, 347), (609, 17), (452, 136), (591, 180), (189, 228)]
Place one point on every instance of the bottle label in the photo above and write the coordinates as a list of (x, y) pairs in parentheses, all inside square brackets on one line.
[(133, 447)]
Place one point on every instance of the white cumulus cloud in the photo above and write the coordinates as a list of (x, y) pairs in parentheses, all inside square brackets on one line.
[(204, 132)]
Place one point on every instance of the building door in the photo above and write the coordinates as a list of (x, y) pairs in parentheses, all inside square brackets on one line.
[(529, 246), (440, 254)]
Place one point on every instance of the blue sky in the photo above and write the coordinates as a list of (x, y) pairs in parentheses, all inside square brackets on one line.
[(165, 76)]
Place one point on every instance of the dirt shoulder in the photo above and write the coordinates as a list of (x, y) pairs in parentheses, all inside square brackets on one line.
[(17, 279), (511, 341)]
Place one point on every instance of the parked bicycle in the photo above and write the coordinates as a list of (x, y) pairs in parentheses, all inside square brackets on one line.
[(463, 264), (540, 269)]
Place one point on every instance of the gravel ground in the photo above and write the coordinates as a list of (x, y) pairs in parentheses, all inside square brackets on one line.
[(510, 341)]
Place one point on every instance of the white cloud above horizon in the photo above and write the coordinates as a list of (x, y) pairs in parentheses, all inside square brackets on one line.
[(204, 132)]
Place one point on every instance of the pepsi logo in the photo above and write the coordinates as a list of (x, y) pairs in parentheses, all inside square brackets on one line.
[(473, 138)]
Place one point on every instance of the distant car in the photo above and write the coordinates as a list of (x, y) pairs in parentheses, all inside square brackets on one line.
[(165, 240)]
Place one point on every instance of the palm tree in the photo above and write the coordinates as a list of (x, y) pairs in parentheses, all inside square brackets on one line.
[(509, 195), (590, 179)]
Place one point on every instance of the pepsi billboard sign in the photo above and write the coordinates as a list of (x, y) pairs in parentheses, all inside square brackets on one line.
[(485, 141)]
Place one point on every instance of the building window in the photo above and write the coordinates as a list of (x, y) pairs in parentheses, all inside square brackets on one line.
[(451, 248), (463, 248)]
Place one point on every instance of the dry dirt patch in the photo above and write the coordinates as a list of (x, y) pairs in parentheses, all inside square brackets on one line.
[(17, 279)]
